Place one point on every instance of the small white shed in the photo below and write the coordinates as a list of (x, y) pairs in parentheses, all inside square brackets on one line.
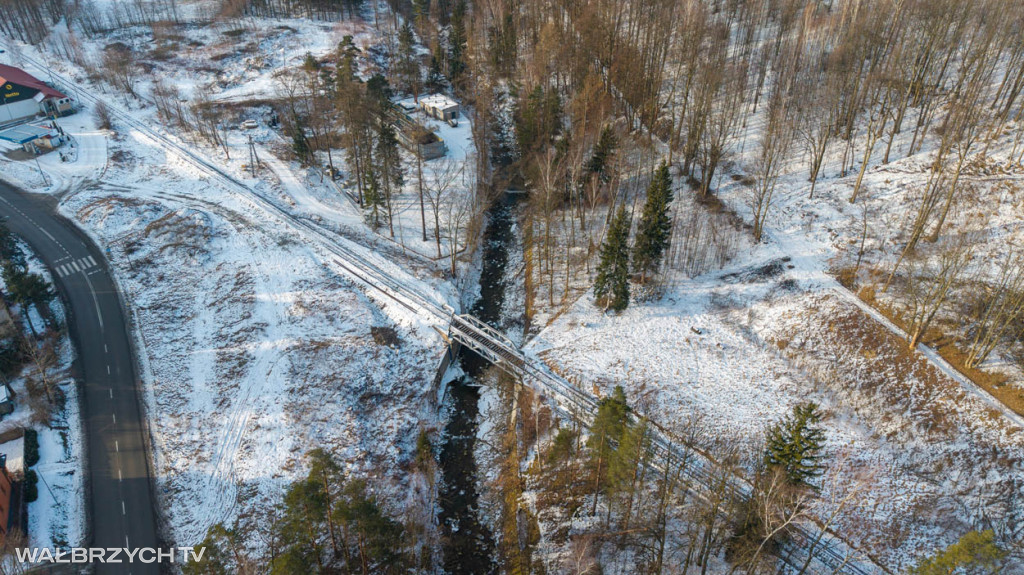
[(440, 106)]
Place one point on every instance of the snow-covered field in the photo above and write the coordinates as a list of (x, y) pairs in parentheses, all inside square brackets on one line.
[(255, 353), (935, 455), (712, 348), (255, 349)]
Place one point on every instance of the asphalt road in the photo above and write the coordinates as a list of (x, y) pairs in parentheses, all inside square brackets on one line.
[(120, 498)]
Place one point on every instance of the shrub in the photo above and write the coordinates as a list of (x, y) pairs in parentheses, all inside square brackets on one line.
[(847, 277), (385, 336), (102, 115), (31, 486), (424, 451), (31, 447)]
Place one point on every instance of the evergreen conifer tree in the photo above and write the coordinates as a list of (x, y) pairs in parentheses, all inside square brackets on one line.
[(9, 251), (457, 42), (27, 289), (610, 424), (378, 93), (373, 196), (603, 153), (408, 67), (976, 552), (795, 444), (435, 79), (652, 236), (217, 559), (389, 169), (611, 288), (301, 528), (299, 143), (626, 464), (420, 11)]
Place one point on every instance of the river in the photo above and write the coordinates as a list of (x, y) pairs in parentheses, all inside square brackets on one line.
[(467, 543)]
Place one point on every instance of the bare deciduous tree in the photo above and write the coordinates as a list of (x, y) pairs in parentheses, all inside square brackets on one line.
[(460, 210), (444, 172), (774, 146), (121, 67), (1003, 306), (930, 281)]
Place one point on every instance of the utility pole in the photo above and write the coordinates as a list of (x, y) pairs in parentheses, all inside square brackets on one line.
[(254, 159), (46, 182)]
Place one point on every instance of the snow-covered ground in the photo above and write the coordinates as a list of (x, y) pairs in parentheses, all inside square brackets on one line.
[(253, 350), (86, 160), (239, 64), (935, 455), (711, 348), (255, 347)]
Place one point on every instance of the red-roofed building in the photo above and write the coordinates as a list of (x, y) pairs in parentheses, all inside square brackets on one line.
[(24, 96)]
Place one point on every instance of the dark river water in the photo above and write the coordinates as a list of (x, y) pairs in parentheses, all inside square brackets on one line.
[(468, 545)]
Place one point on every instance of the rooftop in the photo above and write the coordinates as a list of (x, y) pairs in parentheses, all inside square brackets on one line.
[(438, 101), (25, 133), (19, 76)]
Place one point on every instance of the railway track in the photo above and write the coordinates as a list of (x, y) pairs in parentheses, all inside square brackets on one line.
[(826, 553)]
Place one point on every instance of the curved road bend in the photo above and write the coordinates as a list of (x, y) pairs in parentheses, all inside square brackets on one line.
[(121, 502)]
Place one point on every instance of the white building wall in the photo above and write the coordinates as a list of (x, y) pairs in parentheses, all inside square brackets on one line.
[(18, 110)]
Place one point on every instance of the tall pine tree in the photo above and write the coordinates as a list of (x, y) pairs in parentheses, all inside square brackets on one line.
[(408, 66), (457, 43), (610, 424), (389, 169), (611, 288), (435, 80), (795, 444), (300, 145), (373, 195), (604, 151), (652, 236), (421, 13)]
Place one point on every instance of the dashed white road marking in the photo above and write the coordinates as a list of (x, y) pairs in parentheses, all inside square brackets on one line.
[(111, 390), (122, 509), (108, 370), (114, 415), (117, 446)]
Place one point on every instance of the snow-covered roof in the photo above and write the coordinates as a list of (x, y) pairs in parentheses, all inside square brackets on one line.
[(25, 133), (439, 101)]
